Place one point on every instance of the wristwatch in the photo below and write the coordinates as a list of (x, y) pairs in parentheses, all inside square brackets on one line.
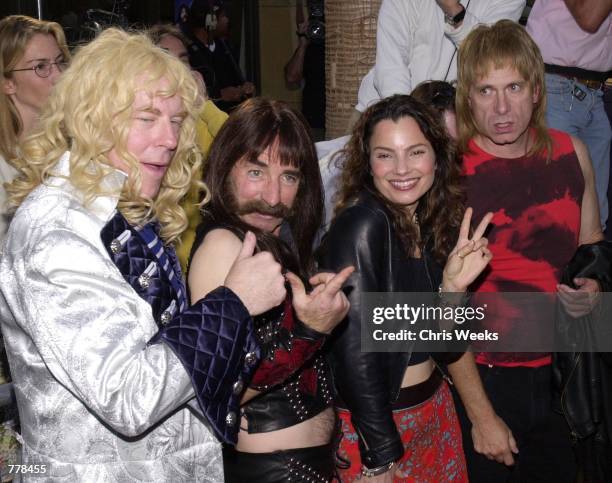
[(454, 20), (369, 472)]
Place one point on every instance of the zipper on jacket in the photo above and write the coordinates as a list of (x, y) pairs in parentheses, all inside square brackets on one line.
[(424, 255), (573, 433), (363, 440), (444, 374)]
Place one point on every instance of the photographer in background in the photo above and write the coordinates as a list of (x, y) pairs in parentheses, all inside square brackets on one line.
[(306, 67), (212, 57)]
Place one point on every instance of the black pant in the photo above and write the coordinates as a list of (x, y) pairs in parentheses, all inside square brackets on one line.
[(521, 396), (594, 460), (315, 464)]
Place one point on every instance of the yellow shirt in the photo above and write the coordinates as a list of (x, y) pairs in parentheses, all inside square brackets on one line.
[(209, 122)]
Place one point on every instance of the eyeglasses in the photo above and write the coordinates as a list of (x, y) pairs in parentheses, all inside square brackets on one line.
[(43, 69)]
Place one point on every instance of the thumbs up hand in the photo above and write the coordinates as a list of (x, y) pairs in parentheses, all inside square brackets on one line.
[(256, 279)]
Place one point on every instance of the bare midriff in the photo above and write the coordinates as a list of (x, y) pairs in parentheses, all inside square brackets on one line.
[(316, 431), (418, 373)]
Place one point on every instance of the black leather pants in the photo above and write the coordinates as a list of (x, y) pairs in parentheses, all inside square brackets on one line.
[(314, 464)]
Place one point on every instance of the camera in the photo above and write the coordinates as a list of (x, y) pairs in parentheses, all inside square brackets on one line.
[(316, 21)]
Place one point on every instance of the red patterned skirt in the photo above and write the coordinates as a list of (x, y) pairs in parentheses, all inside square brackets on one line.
[(433, 452)]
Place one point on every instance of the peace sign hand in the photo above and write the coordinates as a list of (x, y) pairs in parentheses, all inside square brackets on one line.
[(469, 257)]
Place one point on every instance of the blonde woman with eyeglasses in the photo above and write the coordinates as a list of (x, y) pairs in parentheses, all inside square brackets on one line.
[(33, 53)]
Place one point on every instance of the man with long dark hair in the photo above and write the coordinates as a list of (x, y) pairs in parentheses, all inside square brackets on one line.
[(264, 177)]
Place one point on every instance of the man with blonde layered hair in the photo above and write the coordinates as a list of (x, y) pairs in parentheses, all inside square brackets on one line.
[(538, 183), (117, 377), (492, 47)]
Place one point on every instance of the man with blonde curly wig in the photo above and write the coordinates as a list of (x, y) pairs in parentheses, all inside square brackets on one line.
[(117, 377)]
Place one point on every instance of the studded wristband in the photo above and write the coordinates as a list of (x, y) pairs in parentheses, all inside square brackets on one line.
[(301, 330), (369, 472)]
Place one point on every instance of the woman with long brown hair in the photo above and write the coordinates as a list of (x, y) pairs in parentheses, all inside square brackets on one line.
[(400, 221)]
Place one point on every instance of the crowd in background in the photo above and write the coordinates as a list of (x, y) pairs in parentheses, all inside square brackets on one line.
[(477, 161)]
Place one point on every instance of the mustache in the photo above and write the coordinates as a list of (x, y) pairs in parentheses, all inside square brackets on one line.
[(278, 211)]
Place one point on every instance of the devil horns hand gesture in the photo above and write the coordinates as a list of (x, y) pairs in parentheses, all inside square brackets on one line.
[(469, 257)]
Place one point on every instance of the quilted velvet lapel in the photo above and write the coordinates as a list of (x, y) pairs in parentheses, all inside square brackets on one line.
[(134, 259)]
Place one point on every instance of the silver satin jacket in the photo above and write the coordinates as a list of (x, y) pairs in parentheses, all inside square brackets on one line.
[(91, 392)]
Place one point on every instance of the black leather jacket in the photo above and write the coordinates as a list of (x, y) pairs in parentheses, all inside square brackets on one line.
[(583, 380), (369, 382)]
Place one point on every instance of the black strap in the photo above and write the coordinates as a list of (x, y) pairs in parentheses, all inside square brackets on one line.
[(577, 72), (455, 51)]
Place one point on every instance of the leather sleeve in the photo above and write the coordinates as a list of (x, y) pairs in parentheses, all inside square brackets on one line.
[(285, 349), (593, 260), (359, 237)]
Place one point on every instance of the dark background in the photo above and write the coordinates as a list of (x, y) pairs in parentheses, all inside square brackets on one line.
[(139, 11), (72, 15)]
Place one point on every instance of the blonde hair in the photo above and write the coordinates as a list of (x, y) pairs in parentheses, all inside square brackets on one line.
[(15, 33), (89, 113), (503, 44), (158, 31)]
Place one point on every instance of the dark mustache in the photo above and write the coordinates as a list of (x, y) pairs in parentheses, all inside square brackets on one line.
[(278, 211)]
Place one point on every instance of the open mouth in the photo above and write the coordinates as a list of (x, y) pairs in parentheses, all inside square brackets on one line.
[(503, 127), (155, 168), (263, 215), (404, 185), (267, 223)]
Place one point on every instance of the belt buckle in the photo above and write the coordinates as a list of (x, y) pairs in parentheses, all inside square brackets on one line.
[(595, 85), (590, 83)]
